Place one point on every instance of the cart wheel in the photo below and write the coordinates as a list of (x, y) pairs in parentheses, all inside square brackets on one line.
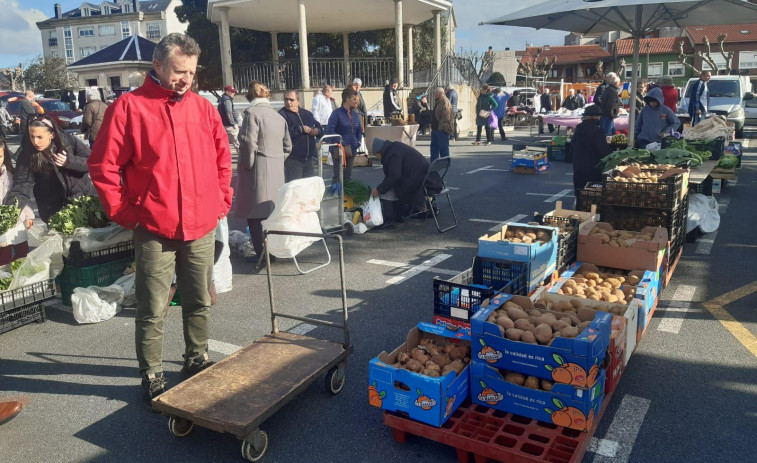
[(180, 427), (335, 379), (348, 229), (255, 446)]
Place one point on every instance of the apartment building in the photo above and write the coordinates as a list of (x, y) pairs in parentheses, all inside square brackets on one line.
[(92, 27)]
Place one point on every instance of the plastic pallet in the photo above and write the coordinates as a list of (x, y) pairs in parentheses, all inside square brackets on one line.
[(20, 316), (490, 434)]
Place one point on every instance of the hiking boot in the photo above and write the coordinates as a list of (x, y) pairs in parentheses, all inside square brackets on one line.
[(196, 365), (153, 385)]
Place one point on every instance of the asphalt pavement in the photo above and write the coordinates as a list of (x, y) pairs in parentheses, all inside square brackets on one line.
[(687, 395)]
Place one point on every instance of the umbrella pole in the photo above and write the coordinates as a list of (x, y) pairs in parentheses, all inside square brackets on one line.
[(634, 79)]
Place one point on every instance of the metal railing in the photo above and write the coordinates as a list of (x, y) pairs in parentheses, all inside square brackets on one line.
[(454, 70), (284, 74)]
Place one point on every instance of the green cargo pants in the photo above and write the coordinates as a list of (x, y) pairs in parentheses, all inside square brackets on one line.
[(157, 258)]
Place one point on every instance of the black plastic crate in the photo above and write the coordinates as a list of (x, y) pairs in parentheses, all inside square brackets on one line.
[(458, 298), (568, 152), (589, 195), (78, 258), (704, 188), (665, 194), (20, 316), (567, 239), (509, 276), (716, 146), (26, 295)]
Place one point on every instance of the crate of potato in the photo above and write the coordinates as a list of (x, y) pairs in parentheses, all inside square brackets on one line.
[(514, 333), (426, 377), (600, 244), (645, 187), (567, 239), (590, 196), (540, 399)]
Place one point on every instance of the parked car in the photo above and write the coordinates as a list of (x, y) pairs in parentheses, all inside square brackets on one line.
[(750, 110), (728, 95), (58, 110)]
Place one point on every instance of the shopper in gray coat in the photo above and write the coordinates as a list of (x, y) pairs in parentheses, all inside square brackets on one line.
[(264, 144)]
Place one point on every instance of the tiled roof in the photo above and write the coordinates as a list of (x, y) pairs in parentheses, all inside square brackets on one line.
[(657, 46), (134, 48), (568, 54), (735, 32)]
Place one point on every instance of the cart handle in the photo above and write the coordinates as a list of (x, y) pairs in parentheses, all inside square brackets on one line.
[(274, 313), (330, 136)]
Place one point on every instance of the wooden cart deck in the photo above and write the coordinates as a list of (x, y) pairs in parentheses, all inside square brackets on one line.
[(240, 392)]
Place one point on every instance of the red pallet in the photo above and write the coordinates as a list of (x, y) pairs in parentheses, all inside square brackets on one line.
[(490, 434), (671, 269)]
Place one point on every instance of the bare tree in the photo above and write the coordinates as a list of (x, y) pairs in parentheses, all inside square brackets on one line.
[(727, 56), (682, 57), (706, 55), (16, 77), (534, 68)]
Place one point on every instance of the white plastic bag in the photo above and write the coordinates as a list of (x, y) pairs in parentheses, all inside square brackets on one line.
[(655, 146), (372, 215), (94, 304), (94, 239), (296, 210), (703, 213), (126, 282), (37, 234), (46, 261), (222, 271)]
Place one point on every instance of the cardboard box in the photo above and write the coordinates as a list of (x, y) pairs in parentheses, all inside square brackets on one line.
[(424, 398), (541, 257), (642, 255), (453, 324), (572, 361), (567, 406), (617, 355), (717, 185)]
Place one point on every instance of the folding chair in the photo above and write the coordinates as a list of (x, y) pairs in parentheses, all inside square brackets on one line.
[(440, 166)]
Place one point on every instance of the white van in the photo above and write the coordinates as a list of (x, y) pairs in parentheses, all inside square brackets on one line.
[(727, 96)]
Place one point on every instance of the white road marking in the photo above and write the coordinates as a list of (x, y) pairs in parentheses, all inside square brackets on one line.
[(478, 170), (484, 220), (733, 182), (302, 328), (547, 194), (453, 188), (684, 294), (745, 143), (623, 431), (558, 196), (568, 173), (222, 347), (411, 272), (604, 447), (499, 170), (441, 271), (513, 219), (704, 245), (723, 205)]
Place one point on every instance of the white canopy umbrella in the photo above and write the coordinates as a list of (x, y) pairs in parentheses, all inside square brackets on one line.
[(635, 17)]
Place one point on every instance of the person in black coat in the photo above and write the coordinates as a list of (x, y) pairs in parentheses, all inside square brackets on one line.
[(545, 100), (303, 129), (610, 106), (589, 146), (52, 165), (391, 100)]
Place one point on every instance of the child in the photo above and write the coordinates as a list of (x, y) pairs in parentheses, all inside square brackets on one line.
[(13, 244)]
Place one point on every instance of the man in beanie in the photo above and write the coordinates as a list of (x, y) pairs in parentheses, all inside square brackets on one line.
[(405, 169), (589, 146), (226, 109)]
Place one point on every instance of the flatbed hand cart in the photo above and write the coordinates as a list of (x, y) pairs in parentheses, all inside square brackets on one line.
[(331, 213), (237, 394)]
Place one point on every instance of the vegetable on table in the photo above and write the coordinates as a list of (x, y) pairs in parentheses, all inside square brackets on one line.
[(729, 161), (9, 216), (84, 211), (614, 159)]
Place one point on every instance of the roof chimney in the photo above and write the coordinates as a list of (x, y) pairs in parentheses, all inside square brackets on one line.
[(58, 11), (136, 6)]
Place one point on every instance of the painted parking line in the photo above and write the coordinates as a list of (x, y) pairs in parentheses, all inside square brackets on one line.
[(704, 244), (478, 170), (302, 328), (680, 306), (622, 433), (513, 219), (387, 263), (484, 220), (723, 205), (548, 194), (413, 271), (222, 347), (559, 195)]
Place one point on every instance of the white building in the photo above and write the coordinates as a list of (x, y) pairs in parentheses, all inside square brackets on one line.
[(92, 27)]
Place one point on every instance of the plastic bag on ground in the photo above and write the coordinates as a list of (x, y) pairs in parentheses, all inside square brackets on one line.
[(372, 215), (95, 304), (94, 239), (222, 271), (126, 282), (237, 241), (703, 213), (296, 210)]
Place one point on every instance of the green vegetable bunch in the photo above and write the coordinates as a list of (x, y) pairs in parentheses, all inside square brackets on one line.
[(676, 156), (84, 211), (359, 191), (9, 216), (728, 161), (6, 282), (682, 145), (615, 158)]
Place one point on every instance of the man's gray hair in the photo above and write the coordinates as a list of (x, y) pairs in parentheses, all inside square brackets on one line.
[(357, 81), (610, 77), (295, 91), (450, 87), (325, 88), (439, 89), (93, 94), (186, 45)]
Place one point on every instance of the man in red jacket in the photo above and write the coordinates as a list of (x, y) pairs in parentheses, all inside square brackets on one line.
[(162, 167)]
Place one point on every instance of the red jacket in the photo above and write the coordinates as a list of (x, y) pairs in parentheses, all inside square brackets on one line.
[(163, 164), (670, 94)]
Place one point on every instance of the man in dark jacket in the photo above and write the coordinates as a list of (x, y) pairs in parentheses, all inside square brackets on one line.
[(93, 116), (602, 87), (303, 129), (226, 109), (452, 96), (610, 106), (589, 146), (391, 101), (546, 106), (26, 110)]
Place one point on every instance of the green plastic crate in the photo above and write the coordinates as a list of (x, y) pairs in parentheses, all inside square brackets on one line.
[(94, 275), (559, 140)]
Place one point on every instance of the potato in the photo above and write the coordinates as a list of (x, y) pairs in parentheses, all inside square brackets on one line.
[(547, 385), (523, 324), (559, 325), (584, 325), (531, 235), (501, 330), (458, 353), (633, 280), (586, 314), (420, 356), (441, 359), (532, 382), (543, 235), (457, 365), (569, 332), (515, 378), (514, 334), (414, 365), (492, 318), (505, 322), (536, 310), (543, 333), (430, 365), (431, 373), (575, 321), (528, 337), (403, 357)]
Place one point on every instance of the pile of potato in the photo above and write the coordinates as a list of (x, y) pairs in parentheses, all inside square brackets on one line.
[(619, 238), (608, 289), (432, 359), (527, 235), (531, 382), (539, 325)]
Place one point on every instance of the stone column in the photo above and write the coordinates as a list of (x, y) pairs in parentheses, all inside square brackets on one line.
[(410, 65), (225, 42), (398, 38), (304, 61), (275, 60), (346, 45), (438, 38)]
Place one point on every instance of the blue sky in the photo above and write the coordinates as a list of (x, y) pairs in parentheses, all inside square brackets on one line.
[(20, 40)]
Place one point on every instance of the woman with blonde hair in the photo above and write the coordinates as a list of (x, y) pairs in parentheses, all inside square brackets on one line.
[(264, 144)]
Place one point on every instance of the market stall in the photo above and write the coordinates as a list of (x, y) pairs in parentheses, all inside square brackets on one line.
[(402, 133), (621, 122)]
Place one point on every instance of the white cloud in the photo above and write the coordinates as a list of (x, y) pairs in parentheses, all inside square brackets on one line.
[(20, 39)]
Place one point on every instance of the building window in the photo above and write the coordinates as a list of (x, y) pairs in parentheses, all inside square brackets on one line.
[(91, 82), (748, 60), (108, 30), (85, 11), (654, 69), (719, 62), (88, 31), (86, 51), (53, 40), (675, 68), (54, 54), (115, 81), (68, 40), (153, 31), (125, 29), (106, 10), (629, 72)]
